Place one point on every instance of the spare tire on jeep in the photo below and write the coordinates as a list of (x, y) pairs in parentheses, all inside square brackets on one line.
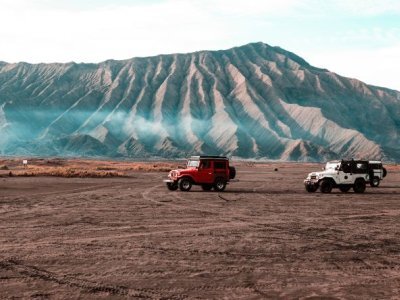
[(232, 172)]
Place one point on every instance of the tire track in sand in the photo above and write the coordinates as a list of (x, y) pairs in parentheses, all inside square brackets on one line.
[(112, 237), (67, 191), (90, 286), (147, 196)]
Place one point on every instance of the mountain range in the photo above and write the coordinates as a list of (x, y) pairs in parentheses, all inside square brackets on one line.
[(255, 101)]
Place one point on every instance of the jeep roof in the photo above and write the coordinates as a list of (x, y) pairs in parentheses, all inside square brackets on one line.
[(208, 157)]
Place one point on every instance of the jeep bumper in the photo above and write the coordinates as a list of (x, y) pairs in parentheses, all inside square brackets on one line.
[(168, 181), (311, 182)]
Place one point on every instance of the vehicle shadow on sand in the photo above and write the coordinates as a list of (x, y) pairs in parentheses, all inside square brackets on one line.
[(247, 191), (287, 192), (389, 187)]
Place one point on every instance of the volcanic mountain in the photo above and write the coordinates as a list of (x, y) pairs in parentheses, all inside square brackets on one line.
[(254, 101)]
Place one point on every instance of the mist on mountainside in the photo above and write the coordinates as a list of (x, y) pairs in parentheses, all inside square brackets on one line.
[(254, 101)]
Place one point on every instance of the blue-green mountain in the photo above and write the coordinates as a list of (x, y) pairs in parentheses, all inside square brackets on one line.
[(254, 101)]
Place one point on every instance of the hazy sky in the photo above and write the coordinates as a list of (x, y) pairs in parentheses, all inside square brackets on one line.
[(355, 38)]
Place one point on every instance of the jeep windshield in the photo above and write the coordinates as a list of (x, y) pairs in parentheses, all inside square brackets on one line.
[(193, 163), (331, 165)]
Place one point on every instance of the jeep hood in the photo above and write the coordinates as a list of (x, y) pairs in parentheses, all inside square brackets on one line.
[(185, 171), (322, 173)]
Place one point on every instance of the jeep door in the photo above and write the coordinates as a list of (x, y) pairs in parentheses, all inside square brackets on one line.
[(221, 169), (345, 174), (205, 172)]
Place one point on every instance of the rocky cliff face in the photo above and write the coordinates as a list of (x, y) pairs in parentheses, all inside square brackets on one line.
[(254, 101)]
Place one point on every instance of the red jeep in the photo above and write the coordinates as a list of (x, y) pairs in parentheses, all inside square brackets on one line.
[(207, 171)]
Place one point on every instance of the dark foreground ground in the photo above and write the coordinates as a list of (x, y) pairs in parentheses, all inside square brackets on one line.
[(264, 238)]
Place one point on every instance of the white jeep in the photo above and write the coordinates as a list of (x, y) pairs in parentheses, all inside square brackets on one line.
[(346, 174)]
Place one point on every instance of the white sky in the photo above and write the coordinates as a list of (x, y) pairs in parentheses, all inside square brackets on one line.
[(355, 38)]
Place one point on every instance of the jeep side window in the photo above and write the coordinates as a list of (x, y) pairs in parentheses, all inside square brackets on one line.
[(375, 166), (219, 165), (361, 168), (205, 164)]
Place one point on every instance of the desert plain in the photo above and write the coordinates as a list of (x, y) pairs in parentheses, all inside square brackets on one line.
[(98, 230)]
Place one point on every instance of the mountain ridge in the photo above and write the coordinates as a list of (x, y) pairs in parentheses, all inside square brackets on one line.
[(272, 104)]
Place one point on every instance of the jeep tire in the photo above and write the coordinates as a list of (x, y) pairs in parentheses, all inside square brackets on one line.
[(326, 186), (375, 182), (172, 186), (232, 172), (206, 187), (311, 188), (359, 186), (219, 184), (344, 188), (185, 184)]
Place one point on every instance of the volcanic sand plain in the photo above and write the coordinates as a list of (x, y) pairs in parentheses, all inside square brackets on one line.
[(265, 237)]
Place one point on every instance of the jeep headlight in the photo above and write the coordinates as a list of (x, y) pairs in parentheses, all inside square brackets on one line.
[(311, 176), (173, 174)]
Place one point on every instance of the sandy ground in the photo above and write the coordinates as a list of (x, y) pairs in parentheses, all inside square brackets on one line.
[(264, 238)]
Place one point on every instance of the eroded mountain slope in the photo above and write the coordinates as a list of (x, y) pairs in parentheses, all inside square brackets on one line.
[(254, 101)]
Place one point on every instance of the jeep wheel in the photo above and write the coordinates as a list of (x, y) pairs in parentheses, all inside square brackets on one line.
[(326, 186), (172, 186), (311, 188), (359, 186), (219, 184), (375, 182), (206, 187), (232, 172), (185, 184), (344, 188)]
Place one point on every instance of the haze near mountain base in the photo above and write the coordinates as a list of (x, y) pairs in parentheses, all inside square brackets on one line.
[(254, 101)]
